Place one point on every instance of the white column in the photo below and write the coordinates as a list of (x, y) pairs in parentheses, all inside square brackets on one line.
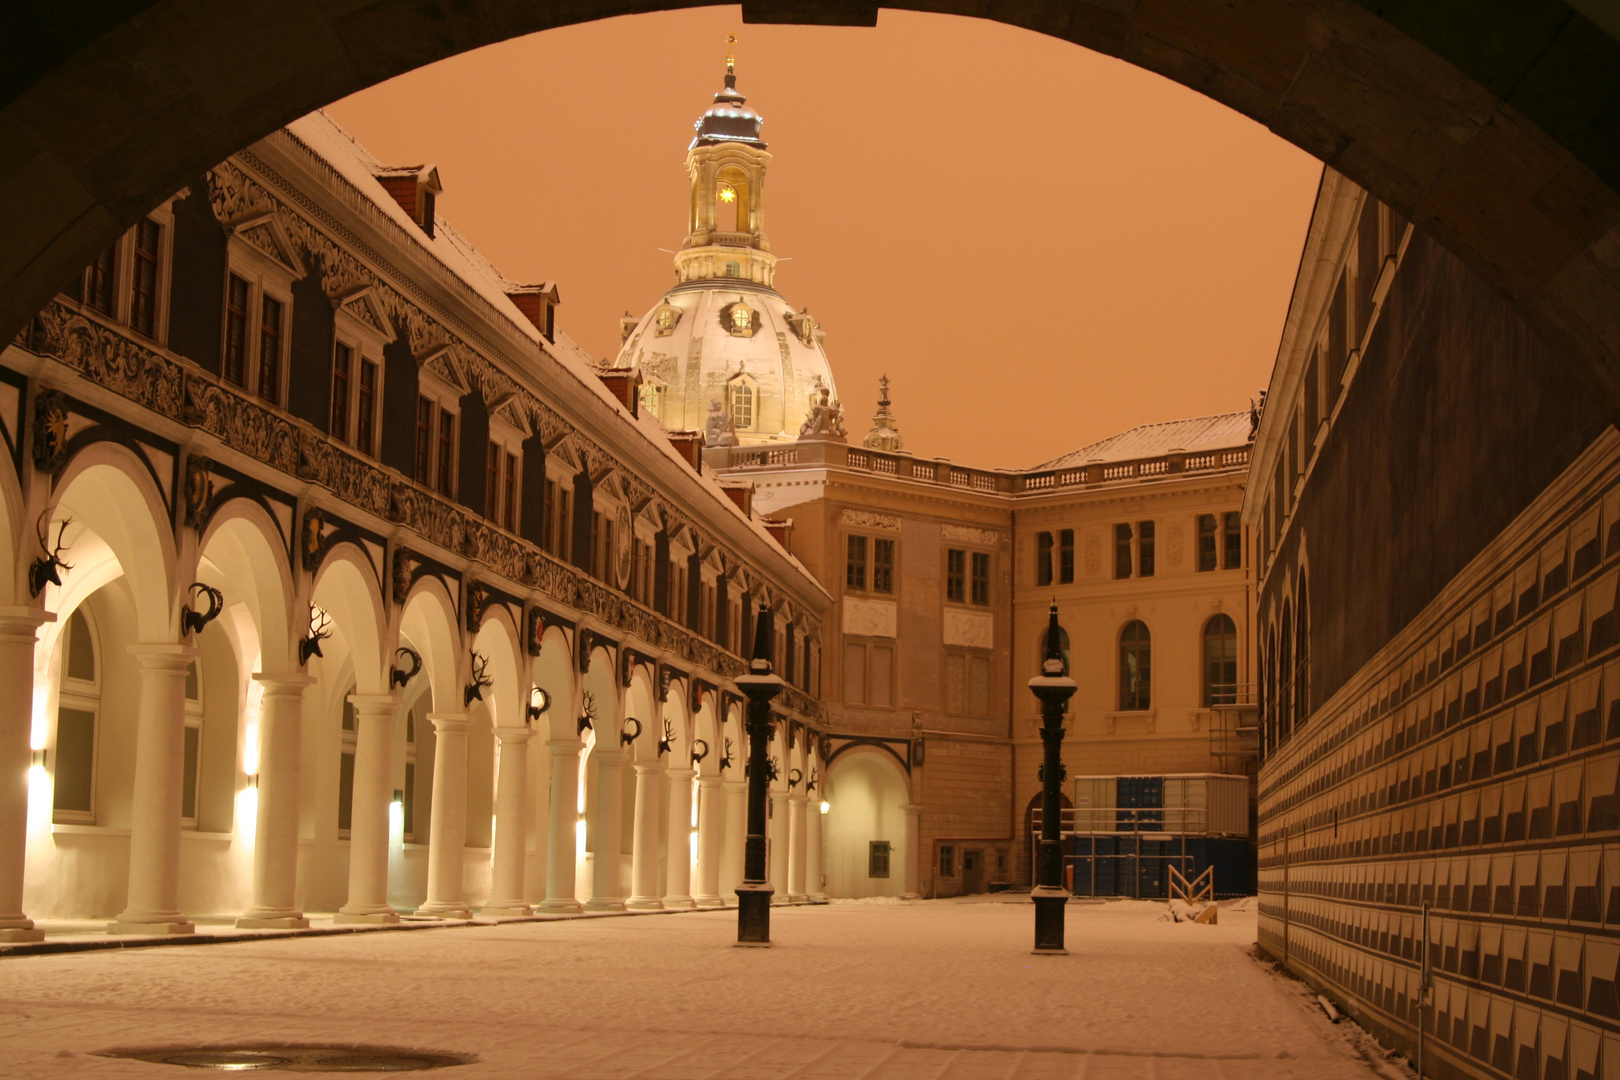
[(777, 829), (511, 821), (368, 815), (711, 839), (645, 888), (275, 837), (18, 627), (734, 853), (912, 833), (447, 825), (154, 834), (812, 853), (797, 894), (678, 840), (607, 884), (560, 828)]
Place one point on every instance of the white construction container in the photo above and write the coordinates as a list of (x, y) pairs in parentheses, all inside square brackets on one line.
[(1094, 803)]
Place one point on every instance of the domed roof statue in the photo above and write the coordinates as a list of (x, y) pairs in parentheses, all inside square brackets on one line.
[(717, 430), (826, 419), (884, 435), (723, 333)]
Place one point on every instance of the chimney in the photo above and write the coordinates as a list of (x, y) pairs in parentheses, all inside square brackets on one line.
[(625, 383), (416, 188), (538, 303), (689, 444), (741, 492), (779, 530)]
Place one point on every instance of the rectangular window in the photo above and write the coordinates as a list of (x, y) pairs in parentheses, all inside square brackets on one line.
[(548, 537), (882, 566), (967, 683), (509, 502), (855, 564), (877, 859), (425, 408), (75, 765), (409, 802), (492, 481), (342, 373), (1122, 551), (270, 335), (190, 773), (1207, 552), (236, 339), (365, 416), (868, 673), (1066, 557), (956, 576), (1144, 548), (144, 274), (447, 453), (1043, 558), (981, 578), (345, 791), (1232, 530), (947, 860), (99, 280)]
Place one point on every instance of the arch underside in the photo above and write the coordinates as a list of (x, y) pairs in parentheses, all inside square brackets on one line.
[(1491, 127)]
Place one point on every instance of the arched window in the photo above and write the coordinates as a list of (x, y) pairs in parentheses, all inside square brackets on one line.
[(78, 707), (733, 269), (1268, 694), (742, 405), (1302, 657), (1135, 666), (1220, 661), (1285, 676), (1063, 647)]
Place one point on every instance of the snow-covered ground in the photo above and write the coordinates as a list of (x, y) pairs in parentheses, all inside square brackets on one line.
[(893, 991)]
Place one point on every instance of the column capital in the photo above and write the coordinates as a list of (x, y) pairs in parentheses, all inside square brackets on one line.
[(283, 683), (375, 704), (23, 622), (709, 779), (564, 747), (164, 655), (681, 774), (449, 722), (517, 735), (644, 768)]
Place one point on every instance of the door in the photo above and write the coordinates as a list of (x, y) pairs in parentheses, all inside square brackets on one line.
[(972, 872)]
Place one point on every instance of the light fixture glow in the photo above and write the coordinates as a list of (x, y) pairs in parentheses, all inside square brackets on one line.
[(825, 806), (728, 194)]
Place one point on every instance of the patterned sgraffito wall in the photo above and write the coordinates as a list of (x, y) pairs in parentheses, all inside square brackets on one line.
[(1471, 768)]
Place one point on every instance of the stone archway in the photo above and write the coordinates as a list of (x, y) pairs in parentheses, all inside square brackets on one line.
[(1491, 129)]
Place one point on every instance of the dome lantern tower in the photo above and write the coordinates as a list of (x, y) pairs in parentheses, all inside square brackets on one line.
[(725, 235)]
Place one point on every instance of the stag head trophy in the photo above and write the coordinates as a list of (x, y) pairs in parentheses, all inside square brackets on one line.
[(481, 680), (319, 630), (46, 570), (587, 714), (192, 621), (667, 743)]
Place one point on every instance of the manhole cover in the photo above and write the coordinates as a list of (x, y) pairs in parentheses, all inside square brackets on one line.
[(322, 1059)]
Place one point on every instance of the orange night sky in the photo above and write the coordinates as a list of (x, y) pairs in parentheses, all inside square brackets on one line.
[(1039, 245)]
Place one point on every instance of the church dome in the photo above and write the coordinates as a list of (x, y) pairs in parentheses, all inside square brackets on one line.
[(733, 342), (729, 119)]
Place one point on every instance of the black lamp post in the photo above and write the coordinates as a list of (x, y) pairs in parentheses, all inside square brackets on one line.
[(760, 685), (1054, 688)]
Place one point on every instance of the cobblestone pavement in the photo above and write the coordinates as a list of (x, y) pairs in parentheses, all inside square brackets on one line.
[(919, 991)]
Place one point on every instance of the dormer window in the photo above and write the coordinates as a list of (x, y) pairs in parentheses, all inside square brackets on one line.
[(538, 303), (416, 188)]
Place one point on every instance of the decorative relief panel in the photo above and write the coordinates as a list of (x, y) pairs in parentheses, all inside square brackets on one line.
[(868, 519), (970, 629), (1093, 554), (964, 534), (871, 618), (1174, 547)]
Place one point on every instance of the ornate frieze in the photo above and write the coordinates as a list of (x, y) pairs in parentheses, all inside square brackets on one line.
[(869, 519), (110, 359), (966, 534)]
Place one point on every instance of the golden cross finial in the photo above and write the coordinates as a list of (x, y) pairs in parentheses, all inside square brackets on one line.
[(731, 54)]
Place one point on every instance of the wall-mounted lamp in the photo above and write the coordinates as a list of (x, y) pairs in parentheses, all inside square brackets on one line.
[(253, 781), (40, 756), (399, 797), (539, 702), (825, 806)]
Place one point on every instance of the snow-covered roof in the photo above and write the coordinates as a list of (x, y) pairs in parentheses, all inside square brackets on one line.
[(1154, 440)]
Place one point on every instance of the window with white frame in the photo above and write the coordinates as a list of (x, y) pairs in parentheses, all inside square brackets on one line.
[(652, 398), (558, 520), (357, 374), (742, 400), (78, 711), (257, 328), (438, 411), (129, 281), (503, 472)]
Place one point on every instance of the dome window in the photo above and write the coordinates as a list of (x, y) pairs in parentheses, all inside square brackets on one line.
[(739, 319), (741, 398), (733, 270)]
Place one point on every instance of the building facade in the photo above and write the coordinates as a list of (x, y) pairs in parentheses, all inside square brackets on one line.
[(1436, 621), (343, 581)]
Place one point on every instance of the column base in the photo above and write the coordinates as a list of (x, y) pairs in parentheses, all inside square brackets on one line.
[(558, 907), (606, 904), (368, 918), (162, 929), (506, 911), (21, 933), (272, 922), (644, 903), (679, 902), (445, 911), (798, 898), (818, 898), (709, 901)]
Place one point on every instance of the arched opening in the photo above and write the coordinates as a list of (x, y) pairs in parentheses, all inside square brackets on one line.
[(1135, 667), (731, 202), (1220, 661), (1302, 656), (1285, 676), (1025, 845), (741, 399), (865, 825), (1063, 647)]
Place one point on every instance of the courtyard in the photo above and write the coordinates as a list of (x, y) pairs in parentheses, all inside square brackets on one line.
[(881, 990)]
